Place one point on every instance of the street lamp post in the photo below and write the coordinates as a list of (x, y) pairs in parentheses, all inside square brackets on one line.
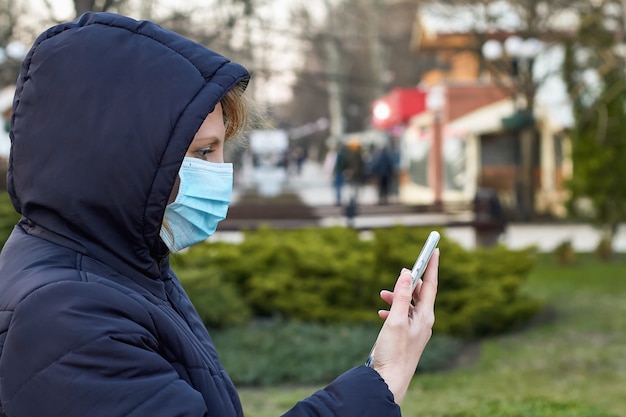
[(435, 102), (519, 55)]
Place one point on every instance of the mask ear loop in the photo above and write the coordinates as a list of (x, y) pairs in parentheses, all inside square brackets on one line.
[(165, 226), (168, 230)]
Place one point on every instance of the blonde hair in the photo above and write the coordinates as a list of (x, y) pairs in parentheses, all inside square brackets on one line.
[(236, 107), (241, 115)]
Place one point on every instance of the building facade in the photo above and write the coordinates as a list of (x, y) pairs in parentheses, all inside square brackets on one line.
[(481, 134)]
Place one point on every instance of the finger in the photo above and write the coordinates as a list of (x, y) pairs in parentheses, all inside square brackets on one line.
[(387, 296), (428, 290), (383, 314), (402, 296)]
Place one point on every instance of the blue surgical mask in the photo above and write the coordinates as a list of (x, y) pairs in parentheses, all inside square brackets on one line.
[(202, 202)]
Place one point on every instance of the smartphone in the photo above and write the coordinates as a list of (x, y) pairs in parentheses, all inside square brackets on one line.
[(422, 259), (416, 272)]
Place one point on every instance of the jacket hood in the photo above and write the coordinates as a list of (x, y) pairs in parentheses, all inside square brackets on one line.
[(104, 110)]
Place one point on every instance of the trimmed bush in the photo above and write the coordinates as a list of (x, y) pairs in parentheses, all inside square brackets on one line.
[(331, 275), (314, 275), (479, 291), (213, 292), (564, 253), (278, 352), (604, 249)]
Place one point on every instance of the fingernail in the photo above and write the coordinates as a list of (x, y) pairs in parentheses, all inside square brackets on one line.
[(405, 270)]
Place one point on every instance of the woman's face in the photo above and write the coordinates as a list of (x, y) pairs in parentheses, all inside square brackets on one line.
[(207, 144)]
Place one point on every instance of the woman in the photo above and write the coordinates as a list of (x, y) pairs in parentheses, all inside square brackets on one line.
[(117, 159)]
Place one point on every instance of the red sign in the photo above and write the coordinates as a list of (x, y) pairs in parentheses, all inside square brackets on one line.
[(397, 107)]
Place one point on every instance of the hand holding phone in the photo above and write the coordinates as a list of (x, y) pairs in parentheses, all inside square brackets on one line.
[(416, 272)]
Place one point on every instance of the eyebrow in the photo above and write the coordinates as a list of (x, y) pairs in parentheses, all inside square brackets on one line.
[(203, 141)]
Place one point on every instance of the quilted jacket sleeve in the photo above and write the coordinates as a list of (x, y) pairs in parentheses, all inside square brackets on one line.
[(359, 392)]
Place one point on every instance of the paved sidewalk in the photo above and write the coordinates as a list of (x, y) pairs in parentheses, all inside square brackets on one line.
[(546, 237), (314, 186)]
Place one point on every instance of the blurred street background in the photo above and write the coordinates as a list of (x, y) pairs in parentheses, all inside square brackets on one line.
[(314, 187)]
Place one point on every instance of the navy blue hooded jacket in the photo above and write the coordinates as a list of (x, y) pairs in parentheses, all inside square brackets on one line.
[(92, 320)]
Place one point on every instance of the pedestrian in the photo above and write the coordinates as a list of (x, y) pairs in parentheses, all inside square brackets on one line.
[(297, 156), (339, 172), (117, 160), (489, 217), (382, 168), (355, 168)]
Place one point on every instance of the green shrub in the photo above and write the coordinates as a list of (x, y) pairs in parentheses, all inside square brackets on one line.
[(491, 300), (8, 217), (317, 275), (564, 253), (535, 407), (604, 249), (276, 352), (479, 292), (218, 301), (212, 291), (331, 275), (442, 352)]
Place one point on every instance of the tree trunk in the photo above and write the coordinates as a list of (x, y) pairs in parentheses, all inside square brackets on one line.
[(335, 87), (82, 6), (377, 58)]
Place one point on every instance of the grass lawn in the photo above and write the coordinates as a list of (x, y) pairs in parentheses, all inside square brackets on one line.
[(575, 352)]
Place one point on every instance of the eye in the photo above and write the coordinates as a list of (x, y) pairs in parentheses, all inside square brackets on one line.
[(204, 152)]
